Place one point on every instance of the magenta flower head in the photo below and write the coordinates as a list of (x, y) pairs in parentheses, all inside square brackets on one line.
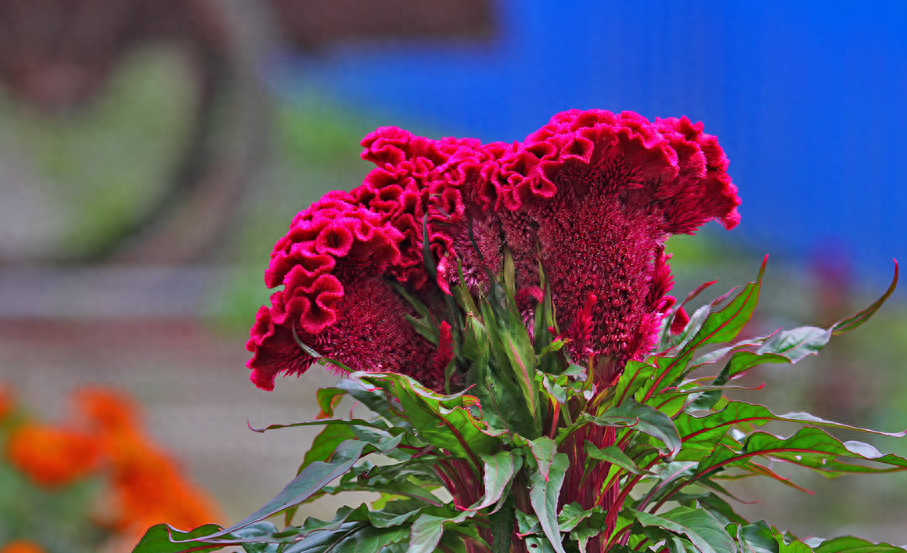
[(592, 196), (337, 259)]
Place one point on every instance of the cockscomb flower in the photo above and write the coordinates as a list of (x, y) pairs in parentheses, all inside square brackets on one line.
[(336, 259), (592, 196)]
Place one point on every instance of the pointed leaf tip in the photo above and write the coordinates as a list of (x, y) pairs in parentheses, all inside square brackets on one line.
[(846, 325)]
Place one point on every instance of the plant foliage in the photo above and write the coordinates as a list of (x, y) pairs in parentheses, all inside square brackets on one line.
[(498, 447)]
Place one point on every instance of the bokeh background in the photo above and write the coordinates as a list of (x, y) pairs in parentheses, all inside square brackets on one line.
[(152, 152)]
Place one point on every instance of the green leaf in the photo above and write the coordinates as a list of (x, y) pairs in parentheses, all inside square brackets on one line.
[(500, 397), (853, 322), (713, 503), (544, 314), (697, 525), (426, 531), (160, 538), (757, 537), (323, 446), (328, 398), (669, 341), (444, 421), (310, 480), (521, 354), (501, 522), (545, 483), (788, 346), (704, 433), (395, 513), (538, 544), (572, 515), (634, 376), (615, 456), (350, 537), (723, 325), (582, 525), (375, 399), (498, 470), (638, 417), (849, 544), (381, 425), (403, 488), (809, 447)]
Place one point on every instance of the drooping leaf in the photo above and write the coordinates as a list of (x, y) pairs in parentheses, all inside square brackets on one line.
[(757, 537), (545, 481), (426, 531), (351, 537), (311, 479), (615, 456), (853, 322), (809, 447), (697, 525), (381, 425), (638, 417), (498, 471), (704, 433), (850, 544), (160, 538)]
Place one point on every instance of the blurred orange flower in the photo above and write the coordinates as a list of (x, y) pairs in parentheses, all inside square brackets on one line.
[(142, 485), (19, 546), (148, 489), (146, 485), (107, 411), (51, 456)]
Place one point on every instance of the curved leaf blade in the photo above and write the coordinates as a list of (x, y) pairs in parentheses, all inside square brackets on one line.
[(853, 322), (641, 418), (544, 489), (697, 525), (498, 471)]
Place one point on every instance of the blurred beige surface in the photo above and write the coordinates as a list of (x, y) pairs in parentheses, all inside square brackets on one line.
[(194, 388)]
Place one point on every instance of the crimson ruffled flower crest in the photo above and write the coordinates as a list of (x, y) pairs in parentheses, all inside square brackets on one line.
[(336, 260), (591, 196)]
